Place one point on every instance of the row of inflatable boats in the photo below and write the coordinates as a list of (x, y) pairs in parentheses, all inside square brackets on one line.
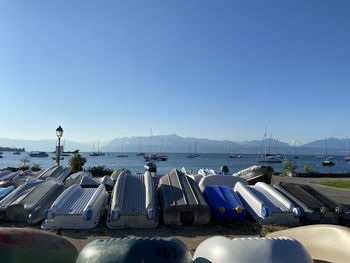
[(306, 244), (76, 201)]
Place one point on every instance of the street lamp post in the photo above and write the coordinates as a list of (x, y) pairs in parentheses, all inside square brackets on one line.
[(59, 133)]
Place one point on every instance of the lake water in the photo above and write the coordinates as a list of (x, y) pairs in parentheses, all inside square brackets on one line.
[(176, 160)]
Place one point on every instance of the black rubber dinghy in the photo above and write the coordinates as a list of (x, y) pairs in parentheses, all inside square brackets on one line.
[(317, 207)]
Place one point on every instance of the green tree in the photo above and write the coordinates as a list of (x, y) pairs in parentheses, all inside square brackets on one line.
[(77, 162), (308, 168), (289, 167), (25, 160), (36, 167)]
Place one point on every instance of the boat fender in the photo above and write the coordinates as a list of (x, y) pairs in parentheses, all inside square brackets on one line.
[(239, 210), (88, 214), (48, 214), (297, 212), (264, 211), (150, 213), (222, 210), (224, 169), (114, 214), (323, 210), (338, 210)]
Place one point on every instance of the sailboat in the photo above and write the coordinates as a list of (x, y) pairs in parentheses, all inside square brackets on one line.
[(347, 157), (161, 156), (319, 156), (327, 161), (234, 155), (194, 154), (122, 155), (140, 153), (295, 151), (98, 153), (154, 157), (269, 157)]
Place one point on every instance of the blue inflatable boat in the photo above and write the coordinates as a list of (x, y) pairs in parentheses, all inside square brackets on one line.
[(4, 191), (224, 203)]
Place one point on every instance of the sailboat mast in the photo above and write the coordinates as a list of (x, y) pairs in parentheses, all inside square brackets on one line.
[(150, 142), (325, 141)]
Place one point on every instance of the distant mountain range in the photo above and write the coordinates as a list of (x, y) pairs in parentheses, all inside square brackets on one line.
[(174, 143)]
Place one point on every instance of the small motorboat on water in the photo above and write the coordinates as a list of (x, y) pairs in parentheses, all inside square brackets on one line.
[(155, 157), (328, 162), (38, 154)]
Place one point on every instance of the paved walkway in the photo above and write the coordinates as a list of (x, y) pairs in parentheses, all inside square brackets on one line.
[(339, 195)]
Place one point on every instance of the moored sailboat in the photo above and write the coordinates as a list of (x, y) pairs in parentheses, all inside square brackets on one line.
[(98, 153), (328, 161)]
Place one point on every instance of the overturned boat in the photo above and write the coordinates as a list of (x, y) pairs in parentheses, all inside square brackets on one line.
[(267, 205), (4, 191), (317, 207), (135, 249), (87, 181), (133, 202), (256, 173), (229, 181), (218, 191), (220, 249), (224, 203), (29, 201), (181, 200), (77, 177), (325, 243), (76, 208), (32, 246)]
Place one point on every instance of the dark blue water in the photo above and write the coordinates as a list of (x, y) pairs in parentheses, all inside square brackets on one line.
[(177, 160)]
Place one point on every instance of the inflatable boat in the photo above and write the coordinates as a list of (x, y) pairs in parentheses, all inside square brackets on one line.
[(325, 243), (317, 207), (29, 201), (181, 200), (76, 208), (135, 249), (220, 249), (133, 202), (267, 205)]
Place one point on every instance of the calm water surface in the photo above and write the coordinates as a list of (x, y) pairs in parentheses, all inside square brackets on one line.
[(176, 160)]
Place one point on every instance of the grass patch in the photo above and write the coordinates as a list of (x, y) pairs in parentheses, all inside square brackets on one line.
[(337, 184)]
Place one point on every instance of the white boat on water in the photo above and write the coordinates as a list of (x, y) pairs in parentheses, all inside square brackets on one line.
[(328, 161), (98, 153), (269, 157)]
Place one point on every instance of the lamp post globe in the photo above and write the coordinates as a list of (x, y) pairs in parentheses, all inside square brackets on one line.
[(59, 134)]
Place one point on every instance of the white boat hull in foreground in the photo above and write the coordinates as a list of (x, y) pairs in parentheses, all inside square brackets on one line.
[(76, 208)]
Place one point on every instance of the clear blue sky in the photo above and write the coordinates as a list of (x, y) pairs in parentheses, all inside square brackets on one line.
[(214, 69)]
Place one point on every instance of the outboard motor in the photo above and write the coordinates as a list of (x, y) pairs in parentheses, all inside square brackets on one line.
[(224, 169), (151, 167)]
